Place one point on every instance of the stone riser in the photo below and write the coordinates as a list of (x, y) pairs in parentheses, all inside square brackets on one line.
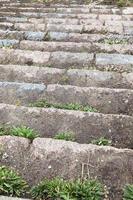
[(86, 126), (115, 101), (44, 157), (61, 59), (62, 36), (67, 46), (77, 77)]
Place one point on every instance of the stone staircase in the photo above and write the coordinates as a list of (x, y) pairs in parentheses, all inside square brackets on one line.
[(68, 54)]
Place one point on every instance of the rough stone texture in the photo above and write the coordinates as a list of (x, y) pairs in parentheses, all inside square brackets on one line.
[(95, 78), (11, 198), (77, 77), (86, 126), (8, 56), (31, 74), (60, 58), (44, 157), (114, 59), (76, 47), (20, 93), (116, 101)]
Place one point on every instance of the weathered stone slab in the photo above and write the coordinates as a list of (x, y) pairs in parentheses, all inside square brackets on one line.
[(105, 100), (11, 198), (114, 59), (31, 74), (44, 157), (86, 126), (21, 57), (70, 59), (20, 93)]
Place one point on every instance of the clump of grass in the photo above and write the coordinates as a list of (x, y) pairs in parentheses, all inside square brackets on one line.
[(59, 189), (21, 131), (115, 41), (11, 183), (102, 141), (68, 136), (128, 192), (67, 106)]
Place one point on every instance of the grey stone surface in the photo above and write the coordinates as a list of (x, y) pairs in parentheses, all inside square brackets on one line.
[(11, 198), (36, 36), (9, 43), (70, 59), (23, 57), (86, 126), (31, 74), (20, 93), (47, 158), (114, 59)]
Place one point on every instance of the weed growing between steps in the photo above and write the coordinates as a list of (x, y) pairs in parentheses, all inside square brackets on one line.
[(68, 136), (21, 131), (128, 192), (67, 106), (102, 141), (115, 41), (11, 184), (59, 189)]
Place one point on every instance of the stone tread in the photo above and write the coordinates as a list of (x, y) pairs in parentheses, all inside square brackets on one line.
[(77, 77), (49, 156), (105, 100), (85, 125)]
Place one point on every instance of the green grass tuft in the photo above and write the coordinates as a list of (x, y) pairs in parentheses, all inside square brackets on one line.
[(67, 106), (68, 136), (21, 131), (102, 141), (58, 189), (11, 184), (128, 192)]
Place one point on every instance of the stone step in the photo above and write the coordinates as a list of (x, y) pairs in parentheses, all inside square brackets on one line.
[(85, 10), (67, 46), (75, 47), (62, 36), (105, 100), (44, 157), (102, 17), (77, 77), (77, 20), (61, 59), (85, 125), (94, 28)]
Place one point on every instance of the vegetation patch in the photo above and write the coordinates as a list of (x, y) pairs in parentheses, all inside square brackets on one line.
[(102, 141), (22, 131), (59, 189), (128, 192), (11, 183), (112, 41), (68, 106), (68, 136)]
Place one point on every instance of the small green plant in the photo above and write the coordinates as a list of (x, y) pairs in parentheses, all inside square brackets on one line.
[(22, 131), (67, 106), (58, 189), (11, 184), (128, 192), (68, 136), (115, 41), (102, 141)]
